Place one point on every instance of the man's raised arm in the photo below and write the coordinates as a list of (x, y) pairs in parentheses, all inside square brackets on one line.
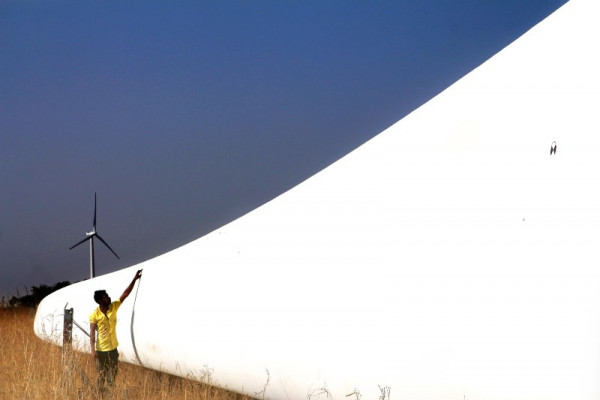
[(137, 276)]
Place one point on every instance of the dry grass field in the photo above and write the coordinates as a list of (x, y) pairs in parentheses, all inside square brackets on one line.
[(31, 369)]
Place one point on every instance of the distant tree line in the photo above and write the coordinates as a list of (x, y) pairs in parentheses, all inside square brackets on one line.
[(33, 296)]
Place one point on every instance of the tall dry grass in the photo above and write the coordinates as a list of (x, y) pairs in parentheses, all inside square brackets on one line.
[(31, 369)]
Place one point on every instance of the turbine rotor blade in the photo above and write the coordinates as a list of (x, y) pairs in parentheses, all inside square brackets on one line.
[(78, 243), (94, 211), (106, 244)]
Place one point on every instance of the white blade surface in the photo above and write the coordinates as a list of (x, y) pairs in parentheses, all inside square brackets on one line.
[(450, 256)]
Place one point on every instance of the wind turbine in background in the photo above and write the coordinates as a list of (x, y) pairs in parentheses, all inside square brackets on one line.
[(90, 237)]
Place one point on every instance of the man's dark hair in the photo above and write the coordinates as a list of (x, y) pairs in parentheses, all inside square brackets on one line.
[(98, 295)]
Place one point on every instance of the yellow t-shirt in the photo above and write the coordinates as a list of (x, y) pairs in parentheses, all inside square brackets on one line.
[(106, 328)]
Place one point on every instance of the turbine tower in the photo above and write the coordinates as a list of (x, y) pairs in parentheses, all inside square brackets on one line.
[(90, 237)]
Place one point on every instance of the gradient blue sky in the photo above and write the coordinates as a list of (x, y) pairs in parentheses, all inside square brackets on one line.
[(185, 115)]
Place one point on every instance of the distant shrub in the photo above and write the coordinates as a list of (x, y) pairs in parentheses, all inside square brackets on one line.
[(31, 300)]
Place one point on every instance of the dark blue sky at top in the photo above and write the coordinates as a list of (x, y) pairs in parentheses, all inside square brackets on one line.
[(185, 115)]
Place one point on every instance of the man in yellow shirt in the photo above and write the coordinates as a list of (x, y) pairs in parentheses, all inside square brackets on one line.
[(104, 321)]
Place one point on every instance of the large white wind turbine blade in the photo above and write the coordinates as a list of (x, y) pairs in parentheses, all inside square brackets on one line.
[(451, 256)]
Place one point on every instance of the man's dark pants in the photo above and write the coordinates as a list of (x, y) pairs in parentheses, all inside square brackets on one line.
[(107, 365)]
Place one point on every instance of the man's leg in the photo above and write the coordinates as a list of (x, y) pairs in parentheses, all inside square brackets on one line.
[(113, 367), (102, 368)]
